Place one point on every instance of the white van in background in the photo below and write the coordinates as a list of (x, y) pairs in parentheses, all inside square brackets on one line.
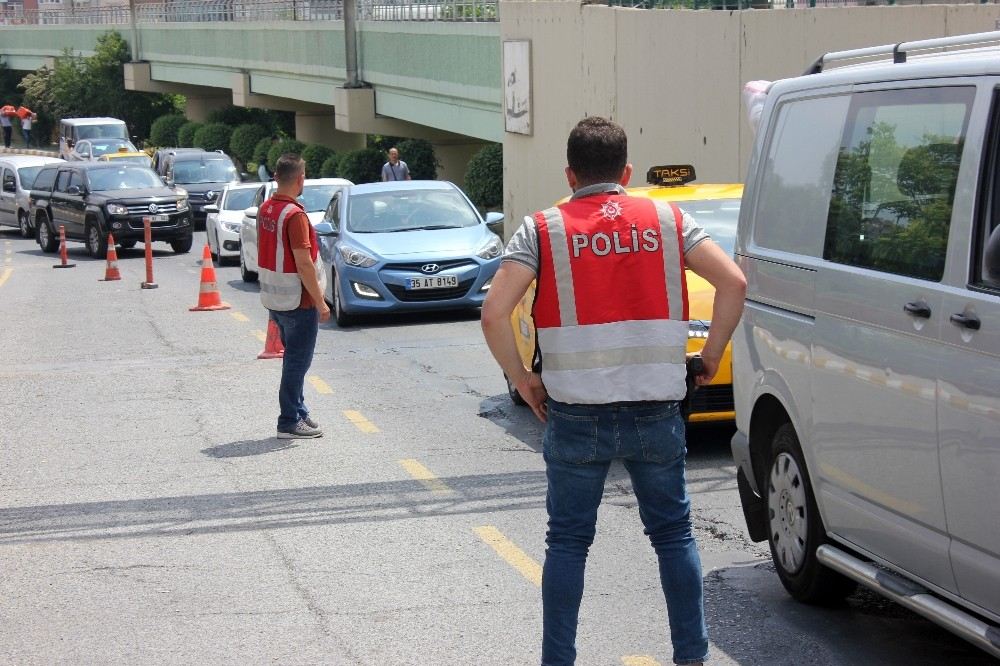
[(867, 364), (72, 130)]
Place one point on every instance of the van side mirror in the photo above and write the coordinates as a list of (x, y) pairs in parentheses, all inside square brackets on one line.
[(494, 222), (250, 212), (991, 257)]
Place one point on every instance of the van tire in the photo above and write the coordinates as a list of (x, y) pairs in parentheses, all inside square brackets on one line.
[(97, 242), (24, 223), (48, 241), (182, 245), (795, 528)]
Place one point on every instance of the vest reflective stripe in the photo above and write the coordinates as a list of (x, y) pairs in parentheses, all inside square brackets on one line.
[(617, 361), (280, 289)]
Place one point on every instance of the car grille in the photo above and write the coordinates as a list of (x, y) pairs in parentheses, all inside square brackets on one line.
[(162, 209), (422, 295), (443, 265), (713, 399)]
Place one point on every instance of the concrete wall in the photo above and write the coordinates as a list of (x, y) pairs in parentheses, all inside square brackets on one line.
[(673, 78)]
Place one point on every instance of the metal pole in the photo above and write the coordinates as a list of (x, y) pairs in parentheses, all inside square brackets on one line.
[(136, 57), (351, 44)]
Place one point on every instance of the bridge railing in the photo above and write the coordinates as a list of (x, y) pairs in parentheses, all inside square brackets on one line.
[(185, 11)]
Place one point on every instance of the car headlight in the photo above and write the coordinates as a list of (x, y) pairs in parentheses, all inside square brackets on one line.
[(231, 226), (210, 195), (182, 205), (355, 257), (117, 209), (491, 250), (698, 328)]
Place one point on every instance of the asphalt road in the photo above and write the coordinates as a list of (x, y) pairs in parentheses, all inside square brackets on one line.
[(148, 516)]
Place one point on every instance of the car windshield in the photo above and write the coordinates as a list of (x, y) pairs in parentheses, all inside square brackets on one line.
[(409, 210), (239, 199), (315, 198), (123, 178), (133, 159), (114, 131), (192, 172), (99, 148), (27, 176), (718, 217)]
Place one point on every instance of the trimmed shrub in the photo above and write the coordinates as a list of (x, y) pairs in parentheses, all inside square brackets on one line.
[(213, 136), (419, 157), (185, 135), (163, 131), (261, 149), (245, 139), (484, 177), (314, 155), (282, 147), (330, 167), (362, 166)]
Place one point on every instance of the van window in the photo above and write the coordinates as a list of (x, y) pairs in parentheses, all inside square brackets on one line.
[(113, 131), (797, 172), (895, 180), (8, 179)]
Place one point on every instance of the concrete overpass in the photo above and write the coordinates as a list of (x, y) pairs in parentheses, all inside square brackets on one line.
[(435, 80)]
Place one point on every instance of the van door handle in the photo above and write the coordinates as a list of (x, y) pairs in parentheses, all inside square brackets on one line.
[(918, 309), (968, 321)]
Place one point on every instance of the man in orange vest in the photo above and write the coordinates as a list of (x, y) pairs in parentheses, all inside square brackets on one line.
[(611, 317), (291, 289)]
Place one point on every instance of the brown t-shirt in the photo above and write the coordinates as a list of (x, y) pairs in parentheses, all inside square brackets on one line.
[(297, 226)]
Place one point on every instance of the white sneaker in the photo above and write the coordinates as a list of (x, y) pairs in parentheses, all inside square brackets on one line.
[(302, 430)]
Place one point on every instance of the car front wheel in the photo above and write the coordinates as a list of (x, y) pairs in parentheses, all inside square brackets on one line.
[(23, 224), (515, 395), (182, 245), (795, 528), (342, 318), (97, 244), (46, 239), (247, 275)]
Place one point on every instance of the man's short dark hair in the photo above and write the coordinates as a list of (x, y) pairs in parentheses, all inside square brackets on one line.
[(288, 167), (597, 151)]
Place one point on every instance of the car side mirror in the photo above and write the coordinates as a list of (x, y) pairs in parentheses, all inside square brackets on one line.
[(494, 222), (991, 257), (245, 177), (211, 208), (326, 229), (9, 187), (251, 212), (74, 190), (169, 182)]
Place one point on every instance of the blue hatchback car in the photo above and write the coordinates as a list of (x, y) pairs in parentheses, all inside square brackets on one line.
[(406, 246)]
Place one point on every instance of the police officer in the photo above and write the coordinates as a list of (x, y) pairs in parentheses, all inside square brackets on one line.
[(611, 318), (291, 289)]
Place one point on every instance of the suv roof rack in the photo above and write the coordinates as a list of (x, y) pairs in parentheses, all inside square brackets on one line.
[(899, 51)]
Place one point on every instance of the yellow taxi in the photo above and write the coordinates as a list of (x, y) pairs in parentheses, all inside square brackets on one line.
[(716, 208), (120, 156)]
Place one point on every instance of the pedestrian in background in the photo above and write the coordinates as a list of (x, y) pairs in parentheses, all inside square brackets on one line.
[(395, 168), (291, 289), (6, 113), (611, 317), (28, 117)]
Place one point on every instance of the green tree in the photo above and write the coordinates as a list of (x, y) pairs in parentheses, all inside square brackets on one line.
[(261, 150), (244, 139), (382, 142), (362, 166), (330, 167), (213, 136), (484, 177), (163, 132), (420, 158), (185, 135), (282, 147), (315, 155)]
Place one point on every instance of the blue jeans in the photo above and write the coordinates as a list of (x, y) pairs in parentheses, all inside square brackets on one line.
[(298, 329), (579, 444)]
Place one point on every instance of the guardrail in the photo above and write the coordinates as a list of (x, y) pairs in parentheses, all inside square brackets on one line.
[(778, 4), (188, 11)]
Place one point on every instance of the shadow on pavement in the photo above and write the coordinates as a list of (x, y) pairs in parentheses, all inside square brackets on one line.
[(400, 319), (215, 513), (255, 447), (248, 287)]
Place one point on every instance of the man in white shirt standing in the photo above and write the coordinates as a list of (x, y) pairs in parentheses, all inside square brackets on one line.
[(395, 168)]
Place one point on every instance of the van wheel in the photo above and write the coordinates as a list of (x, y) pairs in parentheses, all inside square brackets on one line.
[(182, 245), (24, 224), (46, 239), (515, 395), (97, 243), (796, 529)]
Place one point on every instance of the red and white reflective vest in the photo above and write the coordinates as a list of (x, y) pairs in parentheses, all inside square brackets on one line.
[(280, 286), (611, 305)]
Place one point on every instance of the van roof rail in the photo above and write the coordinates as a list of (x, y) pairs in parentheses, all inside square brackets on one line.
[(899, 51)]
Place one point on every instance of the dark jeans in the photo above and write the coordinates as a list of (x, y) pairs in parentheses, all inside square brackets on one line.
[(579, 444), (6, 136), (298, 329), (27, 137)]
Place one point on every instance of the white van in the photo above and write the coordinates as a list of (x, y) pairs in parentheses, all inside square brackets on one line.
[(72, 130), (867, 364)]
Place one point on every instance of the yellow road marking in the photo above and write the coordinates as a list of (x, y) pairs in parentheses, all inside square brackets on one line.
[(5, 275), (639, 660), (239, 316), (260, 335), (360, 422), (424, 476), (320, 385), (513, 555)]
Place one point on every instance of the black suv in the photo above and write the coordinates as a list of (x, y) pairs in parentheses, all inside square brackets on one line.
[(93, 199), (203, 175)]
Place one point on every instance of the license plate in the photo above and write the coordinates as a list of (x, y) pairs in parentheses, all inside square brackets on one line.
[(159, 218), (432, 282)]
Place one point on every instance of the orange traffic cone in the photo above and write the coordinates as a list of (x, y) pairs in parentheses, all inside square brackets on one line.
[(272, 346), (63, 252), (111, 272), (209, 297)]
